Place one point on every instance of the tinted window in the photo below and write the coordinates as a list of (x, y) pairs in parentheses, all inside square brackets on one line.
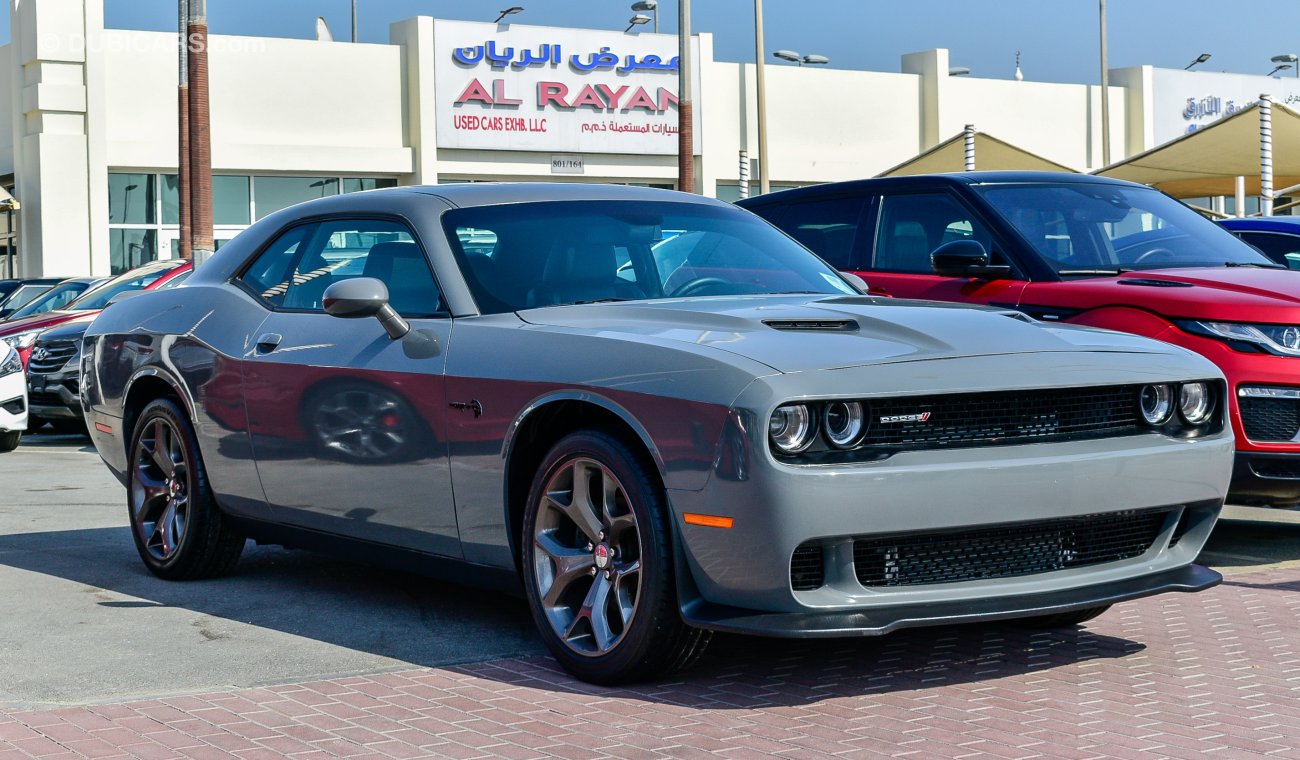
[(1274, 245), (828, 228), (912, 226), (54, 298), (531, 255), (1085, 228), (297, 268), (100, 296)]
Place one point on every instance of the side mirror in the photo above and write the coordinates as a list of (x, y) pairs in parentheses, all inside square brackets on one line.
[(1293, 261), (362, 297), (856, 282), (965, 258)]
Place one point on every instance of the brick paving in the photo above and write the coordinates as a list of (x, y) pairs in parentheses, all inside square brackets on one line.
[(1214, 674)]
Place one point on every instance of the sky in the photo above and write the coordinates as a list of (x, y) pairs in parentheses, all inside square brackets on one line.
[(1057, 39)]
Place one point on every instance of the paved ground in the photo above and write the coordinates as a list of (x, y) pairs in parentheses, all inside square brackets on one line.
[(306, 657)]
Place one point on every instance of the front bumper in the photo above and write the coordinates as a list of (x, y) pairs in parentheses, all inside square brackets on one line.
[(877, 622), (13, 403), (1266, 478), (54, 396)]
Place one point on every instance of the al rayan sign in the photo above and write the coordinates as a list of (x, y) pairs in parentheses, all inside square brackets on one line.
[(565, 90)]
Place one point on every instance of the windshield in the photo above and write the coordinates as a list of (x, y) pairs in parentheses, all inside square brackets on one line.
[(134, 280), (57, 297), (524, 256), (1093, 229)]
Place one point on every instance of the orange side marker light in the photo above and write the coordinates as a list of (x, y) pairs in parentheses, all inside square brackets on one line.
[(708, 521), (101, 427)]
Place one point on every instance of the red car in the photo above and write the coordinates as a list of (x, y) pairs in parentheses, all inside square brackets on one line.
[(21, 333), (1087, 251)]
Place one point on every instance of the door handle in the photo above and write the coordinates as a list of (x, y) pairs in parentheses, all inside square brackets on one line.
[(268, 342)]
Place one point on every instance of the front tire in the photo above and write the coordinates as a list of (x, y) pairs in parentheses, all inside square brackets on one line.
[(9, 440), (598, 564), (178, 529)]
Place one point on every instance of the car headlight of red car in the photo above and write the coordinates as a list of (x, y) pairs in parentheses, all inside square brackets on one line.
[(1275, 339), (21, 340)]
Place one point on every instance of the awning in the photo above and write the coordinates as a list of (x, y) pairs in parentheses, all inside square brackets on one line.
[(7, 201), (1208, 161), (991, 154)]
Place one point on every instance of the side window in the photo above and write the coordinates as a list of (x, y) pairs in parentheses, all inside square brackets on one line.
[(269, 274), (1276, 247), (912, 226), (344, 249), (828, 228)]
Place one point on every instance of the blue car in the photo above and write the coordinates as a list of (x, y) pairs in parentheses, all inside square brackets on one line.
[(1277, 237)]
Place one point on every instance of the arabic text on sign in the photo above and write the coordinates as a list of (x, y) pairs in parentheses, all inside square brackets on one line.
[(551, 55)]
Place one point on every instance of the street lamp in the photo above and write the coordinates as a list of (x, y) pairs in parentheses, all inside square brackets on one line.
[(1202, 58), (512, 10), (958, 71), (1287, 58), (793, 57), (648, 6), (1279, 67), (636, 20)]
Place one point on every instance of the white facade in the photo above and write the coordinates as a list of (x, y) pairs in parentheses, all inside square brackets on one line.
[(91, 142)]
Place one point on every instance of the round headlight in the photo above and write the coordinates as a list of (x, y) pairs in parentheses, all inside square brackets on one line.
[(843, 422), (791, 428), (1194, 403), (1156, 404)]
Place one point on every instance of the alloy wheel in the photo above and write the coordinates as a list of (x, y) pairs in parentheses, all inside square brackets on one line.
[(160, 489), (587, 557), (362, 424)]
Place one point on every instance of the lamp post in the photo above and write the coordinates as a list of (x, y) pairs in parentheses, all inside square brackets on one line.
[(958, 71), (764, 184), (1202, 58), (648, 6), (354, 20), (793, 57), (1290, 59), (685, 109), (636, 20), (512, 10), (1105, 91), (1279, 67)]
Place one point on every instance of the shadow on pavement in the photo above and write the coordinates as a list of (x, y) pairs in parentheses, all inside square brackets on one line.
[(1246, 543), (405, 617)]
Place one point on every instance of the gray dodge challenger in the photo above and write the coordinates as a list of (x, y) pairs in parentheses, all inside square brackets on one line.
[(656, 416)]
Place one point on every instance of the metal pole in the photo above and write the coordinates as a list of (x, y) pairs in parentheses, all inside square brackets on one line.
[(685, 109), (1240, 198), (354, 20), (1105, 93), (969, 138), (183, 139), (656, 15), (764, 180), (744, 174), (200, 134), (1266, 155)]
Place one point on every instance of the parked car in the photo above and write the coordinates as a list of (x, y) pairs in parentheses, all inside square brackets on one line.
[(1277, 237), (56, 297), (53, 369), (14, 294), (21, 331), (741, 443), (13, 399), (1089, 251)]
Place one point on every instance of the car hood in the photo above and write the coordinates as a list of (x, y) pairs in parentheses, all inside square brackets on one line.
[(796, 334), (71, 329), (1231, 294), (38, 321)]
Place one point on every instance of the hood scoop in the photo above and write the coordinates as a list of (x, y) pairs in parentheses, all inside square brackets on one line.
[(1154, 283), (816, 325)]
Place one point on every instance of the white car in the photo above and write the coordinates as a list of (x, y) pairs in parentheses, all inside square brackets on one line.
[(13, 398)]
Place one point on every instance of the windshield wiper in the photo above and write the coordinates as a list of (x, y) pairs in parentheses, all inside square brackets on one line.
[(1252, 265), (1068, 272), (599, 300)]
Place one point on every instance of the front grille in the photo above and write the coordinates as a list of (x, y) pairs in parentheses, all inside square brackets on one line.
[(807, 568), (44, 398), (1003, 417), (1006, 551), (50, 357), (1270, 419)]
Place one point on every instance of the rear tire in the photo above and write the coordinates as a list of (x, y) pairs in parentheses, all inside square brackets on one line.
[(178, 529), (1064, 619), (598, 564), (9, 440)]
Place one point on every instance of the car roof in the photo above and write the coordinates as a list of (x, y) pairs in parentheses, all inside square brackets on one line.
[(492, 193), (877, 184), (1273, 223)]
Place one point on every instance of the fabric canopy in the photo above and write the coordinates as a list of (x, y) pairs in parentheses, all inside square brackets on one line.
[(991, 154), (1208, 161)]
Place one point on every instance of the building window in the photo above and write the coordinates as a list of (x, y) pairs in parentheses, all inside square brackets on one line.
[(144, 208)]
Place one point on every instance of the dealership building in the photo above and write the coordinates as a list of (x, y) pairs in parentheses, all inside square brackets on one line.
[(89, 149)]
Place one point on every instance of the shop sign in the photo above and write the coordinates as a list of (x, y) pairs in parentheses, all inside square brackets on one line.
[(567, 164), (548, 89)]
